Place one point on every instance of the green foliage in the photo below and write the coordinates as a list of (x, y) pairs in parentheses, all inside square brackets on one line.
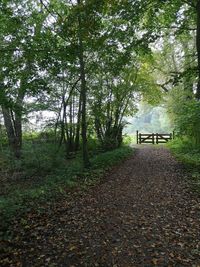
[(129, 139), (187, 153), (188, 122), (93, 146), (146, 81), (110, 158), (186, 149), (37, 158), (185, 112)]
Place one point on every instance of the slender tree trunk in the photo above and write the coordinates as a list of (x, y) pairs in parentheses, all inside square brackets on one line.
[(198, 48), (13, 123), (98, 130), (66, 131), (70, 141), (62, 121), (83, 94), (18, 116), (14, 131), (77, 138)]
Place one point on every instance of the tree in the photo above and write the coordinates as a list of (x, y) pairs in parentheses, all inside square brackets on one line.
[(23, 63), (198, 47)]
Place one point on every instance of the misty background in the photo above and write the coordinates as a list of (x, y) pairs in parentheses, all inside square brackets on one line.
[(149, 119)]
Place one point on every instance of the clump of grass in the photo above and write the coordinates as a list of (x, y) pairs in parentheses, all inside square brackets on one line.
[(110, 158)]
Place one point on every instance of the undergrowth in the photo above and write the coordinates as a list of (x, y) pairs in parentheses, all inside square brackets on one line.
[(58, 184), (188, 153)]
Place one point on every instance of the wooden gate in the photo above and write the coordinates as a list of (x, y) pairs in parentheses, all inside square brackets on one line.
[(154, 138)]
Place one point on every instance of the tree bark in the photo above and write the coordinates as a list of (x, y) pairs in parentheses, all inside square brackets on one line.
[(83, 94), (198, 48)]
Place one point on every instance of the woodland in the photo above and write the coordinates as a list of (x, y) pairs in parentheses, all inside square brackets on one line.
[(90, 63), (71, 74)]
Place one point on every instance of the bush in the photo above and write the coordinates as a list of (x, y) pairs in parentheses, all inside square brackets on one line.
[(129, 139)]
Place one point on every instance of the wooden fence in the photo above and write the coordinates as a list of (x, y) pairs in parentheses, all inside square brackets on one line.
[(154, 138)]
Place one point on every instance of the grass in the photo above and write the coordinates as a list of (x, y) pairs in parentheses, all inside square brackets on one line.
[(189, 154), (186, 152), (58, 183)]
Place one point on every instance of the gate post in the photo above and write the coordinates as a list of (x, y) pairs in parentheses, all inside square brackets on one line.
[(137, 137), (156, 138), (153, 141), (173, 134)]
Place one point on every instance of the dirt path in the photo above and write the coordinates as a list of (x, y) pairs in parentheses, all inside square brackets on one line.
[(143, 214)]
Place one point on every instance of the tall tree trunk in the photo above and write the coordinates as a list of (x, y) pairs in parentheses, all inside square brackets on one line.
[(83, 94), (198, 48)]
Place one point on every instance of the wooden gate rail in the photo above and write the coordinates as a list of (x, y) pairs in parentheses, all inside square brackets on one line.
[(154, 138)]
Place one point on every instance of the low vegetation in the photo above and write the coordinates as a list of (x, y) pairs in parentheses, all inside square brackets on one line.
[(189, 154), (40, 178)]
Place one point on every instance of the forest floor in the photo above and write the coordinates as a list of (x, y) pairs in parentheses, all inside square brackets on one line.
[(143, 213)]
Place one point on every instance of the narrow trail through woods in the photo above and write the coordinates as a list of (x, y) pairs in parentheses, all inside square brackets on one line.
[(141, 214)]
